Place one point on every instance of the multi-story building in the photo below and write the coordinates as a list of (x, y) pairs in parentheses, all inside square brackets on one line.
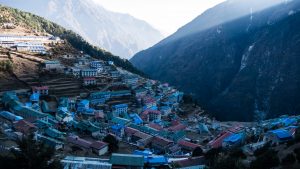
[(89, 81), (119, 109), (88, 73)]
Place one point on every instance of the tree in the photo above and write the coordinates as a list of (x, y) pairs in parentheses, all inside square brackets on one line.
[(288, 159), (113, 143), (227, 162), (31, 155), (197, 152), (297, 152), (266, 160)]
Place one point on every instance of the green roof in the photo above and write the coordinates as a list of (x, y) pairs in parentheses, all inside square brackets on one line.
[(119, 120), (127, 160)]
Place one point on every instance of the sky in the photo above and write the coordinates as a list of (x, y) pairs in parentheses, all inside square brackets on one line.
[(165, 15)]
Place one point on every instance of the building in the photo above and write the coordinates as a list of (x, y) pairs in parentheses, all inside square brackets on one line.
[(76, 72), (149, 102), (140, 92), (30, 47), (161, 145), (190, 163), (79, 142), (233, 140), (57, 145), (88, 73), (83, 105), (166, 110), (187, 147), (120, 110), (99, 147), (115, 74), (24, 127), (151, 115), (89, 81), (42, 90), (10, 116), (85, 162), (98, 65), (278, 136), (8, 25), (127, 161), (52, 65), (217, 142), (131, 80)]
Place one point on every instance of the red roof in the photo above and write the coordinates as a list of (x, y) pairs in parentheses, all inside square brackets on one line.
[(155, 126), (40, 88), (149, 100), (99, 114), (188, 145), (177, 127), (162, 141), (89, 78), (130, 131), (24, 126), (79, 141), (141, 135), (98, 145), (148, 111), (217, 142)]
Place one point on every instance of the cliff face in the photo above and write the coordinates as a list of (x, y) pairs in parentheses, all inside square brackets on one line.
[(245, 69)]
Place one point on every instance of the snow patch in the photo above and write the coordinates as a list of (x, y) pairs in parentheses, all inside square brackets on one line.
[(245, 57), (292, 12)]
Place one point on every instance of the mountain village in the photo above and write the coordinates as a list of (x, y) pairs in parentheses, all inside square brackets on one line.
[(76, 101)]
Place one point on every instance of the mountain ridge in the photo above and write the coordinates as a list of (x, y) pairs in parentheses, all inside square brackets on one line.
[(227, 72), (121, 34)]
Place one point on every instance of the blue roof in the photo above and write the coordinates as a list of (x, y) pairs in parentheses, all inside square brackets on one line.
[(289, 121), (10, 116), (35, 97), (120, 106), (156, 160), (144, 153), (281, 133), (84, 102), (234, 137), (136, 118), (117, 127)]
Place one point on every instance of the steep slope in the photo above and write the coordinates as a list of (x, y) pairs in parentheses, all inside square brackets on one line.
[(121, 34), (245, 69), (222, 13), (31, 21)]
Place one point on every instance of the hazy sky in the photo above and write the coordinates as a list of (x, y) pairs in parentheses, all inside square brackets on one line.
[(165, 15)]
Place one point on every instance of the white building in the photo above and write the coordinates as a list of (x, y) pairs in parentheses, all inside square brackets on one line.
[(50, 65), (88, 81), (88, 73), (120, 109), (30, 47), (85, 162)]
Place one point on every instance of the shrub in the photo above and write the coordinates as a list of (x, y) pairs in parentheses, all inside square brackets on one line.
[(262, 150), (6, 66), (297, 152), (267, 160), (288, 159)]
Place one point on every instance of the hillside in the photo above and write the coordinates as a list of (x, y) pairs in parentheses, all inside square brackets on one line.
[(121, 34), (31, 21), (247, 68)]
